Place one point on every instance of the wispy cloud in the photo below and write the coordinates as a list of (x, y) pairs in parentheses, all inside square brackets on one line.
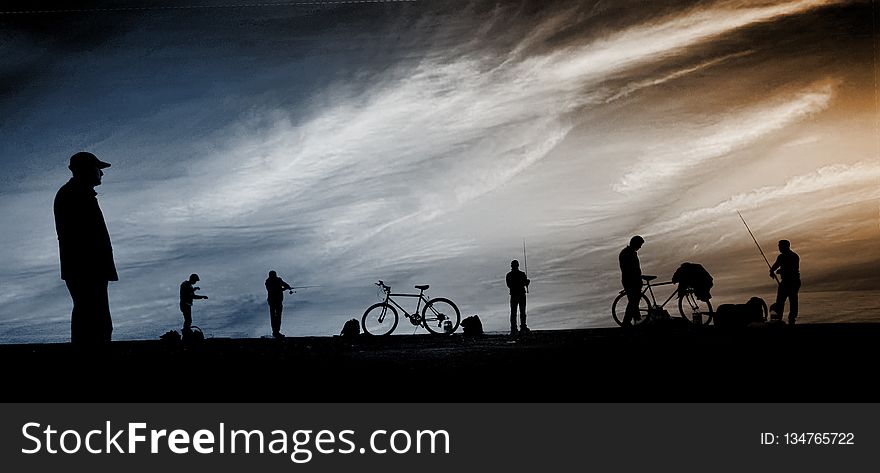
[(656, 41), (861, 178), (720, 139), (652, 82)]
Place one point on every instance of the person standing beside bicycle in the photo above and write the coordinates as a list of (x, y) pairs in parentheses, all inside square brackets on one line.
[(631, 278), (518, 283), (788, 266)]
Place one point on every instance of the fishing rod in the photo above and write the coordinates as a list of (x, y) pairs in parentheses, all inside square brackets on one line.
[(294, 288), (759, 247), (525, 263)]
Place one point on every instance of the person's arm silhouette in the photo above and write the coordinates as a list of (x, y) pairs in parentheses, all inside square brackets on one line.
[(197, 296), (777, 265)]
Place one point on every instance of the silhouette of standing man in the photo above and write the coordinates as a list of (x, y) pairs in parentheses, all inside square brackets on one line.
[(86, 253), (631, 278), (276, 286), (517, 282), (788, 266), (187, 296)]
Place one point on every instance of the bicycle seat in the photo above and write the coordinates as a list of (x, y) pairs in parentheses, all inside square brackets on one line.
[(423, 287), (649, 278)]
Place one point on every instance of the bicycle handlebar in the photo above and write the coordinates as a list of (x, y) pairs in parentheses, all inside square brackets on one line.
[(383, 286)]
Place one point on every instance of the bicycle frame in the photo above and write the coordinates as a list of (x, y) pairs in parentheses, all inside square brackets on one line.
[(649, 290), (420, 296)]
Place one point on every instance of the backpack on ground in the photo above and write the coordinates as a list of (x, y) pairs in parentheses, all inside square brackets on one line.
[(171, 336), (352, 328), (193, 335), (741, 315), (472, 325)]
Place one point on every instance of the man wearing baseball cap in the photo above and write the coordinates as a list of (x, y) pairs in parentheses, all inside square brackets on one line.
[(187, 296), (86, 253)]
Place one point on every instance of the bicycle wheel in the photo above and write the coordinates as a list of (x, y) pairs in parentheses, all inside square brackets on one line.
[(618, 309), (379, 319), (689, 306), (437, 312)]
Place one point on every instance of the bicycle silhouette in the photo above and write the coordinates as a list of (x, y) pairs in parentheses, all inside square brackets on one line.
[(440, 315), (690, 307)]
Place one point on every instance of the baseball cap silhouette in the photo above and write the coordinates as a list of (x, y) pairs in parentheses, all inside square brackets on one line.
[(84, 159)]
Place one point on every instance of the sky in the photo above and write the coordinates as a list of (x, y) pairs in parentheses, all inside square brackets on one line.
[(424, 142)]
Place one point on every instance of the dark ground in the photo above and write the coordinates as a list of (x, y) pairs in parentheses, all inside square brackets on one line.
[(820, 362)]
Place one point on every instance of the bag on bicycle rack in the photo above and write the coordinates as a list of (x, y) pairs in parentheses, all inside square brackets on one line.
[(693, 275)]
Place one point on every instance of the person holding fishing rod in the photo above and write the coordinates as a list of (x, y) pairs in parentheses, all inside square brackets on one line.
[(518, 284), (787, 265), (275, 288)]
